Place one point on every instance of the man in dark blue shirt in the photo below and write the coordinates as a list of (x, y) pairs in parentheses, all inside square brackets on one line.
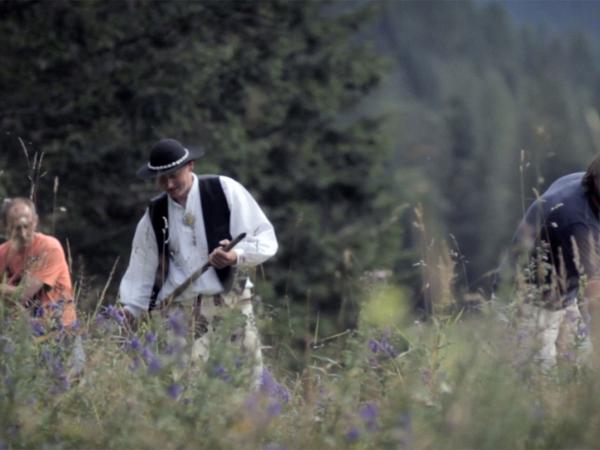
[(558, 246)]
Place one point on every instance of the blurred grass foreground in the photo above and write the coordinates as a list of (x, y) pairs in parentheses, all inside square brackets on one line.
[(394, 382)]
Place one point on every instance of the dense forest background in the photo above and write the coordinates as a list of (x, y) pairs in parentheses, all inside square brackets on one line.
[(340, 117)]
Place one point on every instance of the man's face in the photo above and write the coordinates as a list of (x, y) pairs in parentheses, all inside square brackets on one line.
[(177, 184), (21, 225)]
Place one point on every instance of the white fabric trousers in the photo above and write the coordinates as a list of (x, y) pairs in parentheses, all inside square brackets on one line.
[(552, 335), (206, 318)]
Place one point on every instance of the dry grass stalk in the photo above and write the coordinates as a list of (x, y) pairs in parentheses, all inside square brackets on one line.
[(437, 271), (34, 170)]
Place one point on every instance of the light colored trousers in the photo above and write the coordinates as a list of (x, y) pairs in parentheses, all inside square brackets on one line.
[(552, 335), (206, 322)]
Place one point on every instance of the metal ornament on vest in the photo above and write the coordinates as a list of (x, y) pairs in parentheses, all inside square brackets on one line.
[(216, 215), (166, 156)]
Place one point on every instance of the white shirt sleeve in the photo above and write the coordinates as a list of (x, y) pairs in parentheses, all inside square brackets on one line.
[(247, 217), (137, 283)]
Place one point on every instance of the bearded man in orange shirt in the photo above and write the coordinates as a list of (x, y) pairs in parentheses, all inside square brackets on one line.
[(33, 268)]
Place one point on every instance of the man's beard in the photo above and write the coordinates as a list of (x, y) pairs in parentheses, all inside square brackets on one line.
[(19, 244)]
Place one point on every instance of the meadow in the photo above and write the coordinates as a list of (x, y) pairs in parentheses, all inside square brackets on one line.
[(456, 381), (338, 122)]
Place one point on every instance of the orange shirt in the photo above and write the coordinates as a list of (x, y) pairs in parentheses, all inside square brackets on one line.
[(45, 261)]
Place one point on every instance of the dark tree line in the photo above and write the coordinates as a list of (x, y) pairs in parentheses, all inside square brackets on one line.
[(339, 117), (470, 93), (269, 88)]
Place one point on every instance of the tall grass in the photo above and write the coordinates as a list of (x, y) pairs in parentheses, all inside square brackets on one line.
[(397, 384), (456, 381)]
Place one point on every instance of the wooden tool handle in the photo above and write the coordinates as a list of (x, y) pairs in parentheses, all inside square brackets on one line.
[(193, 277)]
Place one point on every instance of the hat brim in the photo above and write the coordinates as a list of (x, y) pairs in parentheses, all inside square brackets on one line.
[(146, 172)]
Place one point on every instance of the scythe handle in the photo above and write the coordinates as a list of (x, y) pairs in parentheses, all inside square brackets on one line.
[(194, 276)]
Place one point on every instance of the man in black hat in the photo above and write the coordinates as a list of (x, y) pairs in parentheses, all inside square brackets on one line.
[(186, 227)]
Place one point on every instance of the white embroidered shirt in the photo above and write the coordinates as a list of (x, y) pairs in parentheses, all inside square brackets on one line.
[(188, 247)]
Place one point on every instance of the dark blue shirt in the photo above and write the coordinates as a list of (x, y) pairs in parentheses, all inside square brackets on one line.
[(560, 234)]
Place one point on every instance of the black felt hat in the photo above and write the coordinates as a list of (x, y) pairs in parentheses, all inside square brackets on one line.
[(166, 156)]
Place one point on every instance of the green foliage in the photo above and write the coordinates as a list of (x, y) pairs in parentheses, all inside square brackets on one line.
[(269, 88), (294, 100), (450, 383), (469, 91)]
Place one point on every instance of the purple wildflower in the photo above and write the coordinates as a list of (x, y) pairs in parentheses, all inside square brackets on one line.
[(135, 364), (153, 362), (352, 435), (37, 328), (154, 366), (150, 338), (274, 409), (169, 349), (221, 372), (75, 326), (369, 413), (272, 388), (115, 313), (265, 408), (383, 346), (177, 323), (56, 367), (134, 344), (174, 390), (387, 347), (147, 354), (53, 307), (373, 345)]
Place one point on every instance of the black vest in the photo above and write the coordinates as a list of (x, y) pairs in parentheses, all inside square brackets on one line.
[(216, 214)]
